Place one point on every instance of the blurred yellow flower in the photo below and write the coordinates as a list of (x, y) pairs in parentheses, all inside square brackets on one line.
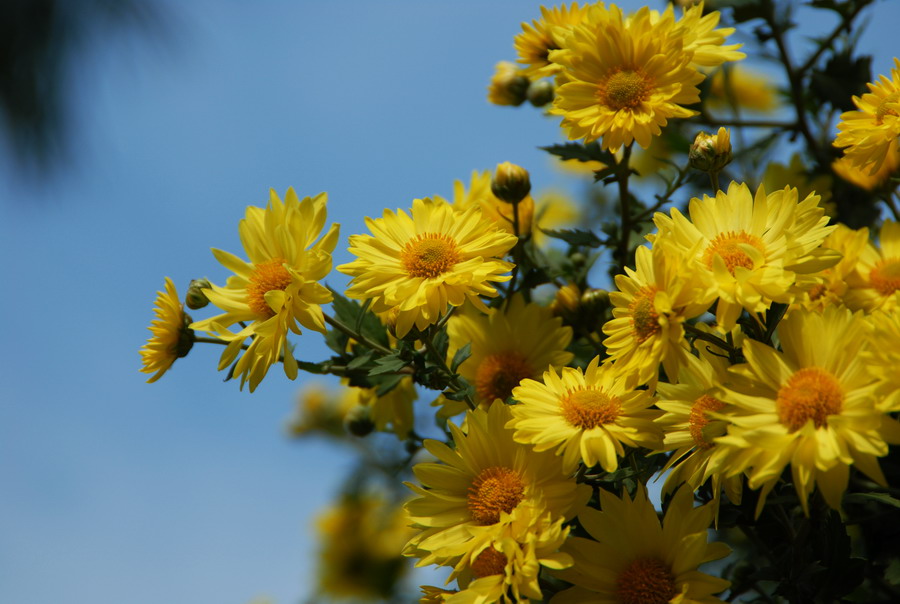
[(425, 262), (171, 339), (748, 90), (278, 289), (875, 284), (863, 177), (361, 539), (508, 85)]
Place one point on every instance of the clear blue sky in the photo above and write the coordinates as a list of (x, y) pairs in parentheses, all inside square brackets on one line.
[(185, 491)]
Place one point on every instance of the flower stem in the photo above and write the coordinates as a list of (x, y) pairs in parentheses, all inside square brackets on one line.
[(356, 335)]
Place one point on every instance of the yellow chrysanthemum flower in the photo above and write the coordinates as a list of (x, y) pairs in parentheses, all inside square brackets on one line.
[(698, 34), (867, 134), (623, 82), (757, 249), (479, 194), (424, 263), (635, 558), (862, 177), (392, 412), (832, 283), (811, 406), (361, 539), (690, 430), (481, 482), (650, 308), (171, 339), (502, 352), (883, 358), (876, 282), (537, 40), (746, 89), (278, 289), (587, 416), (502, 564), (434, 595)]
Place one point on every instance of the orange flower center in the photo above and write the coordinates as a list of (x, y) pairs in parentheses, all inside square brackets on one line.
[(817, 292), (429, 255), (624, 89), (885, 277), (489, 562), (494, 490), (499, 373), (728, 246), (266, 277), (590, 407), (646, 581), (810, 393), (882, 109), (698, 419), (644, 317)]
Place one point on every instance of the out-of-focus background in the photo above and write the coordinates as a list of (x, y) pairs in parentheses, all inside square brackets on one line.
[(134, 135)]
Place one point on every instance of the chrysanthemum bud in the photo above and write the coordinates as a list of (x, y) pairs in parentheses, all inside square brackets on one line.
[(595, 300), (195, 298), (540, 93), (511, 183), (567, 301), (358, 421), (711, 152), (508, 86), (186, 337)]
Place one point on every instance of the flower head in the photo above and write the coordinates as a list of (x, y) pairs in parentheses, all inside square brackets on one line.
[(875, 284), (756, 248), (278, 289), (867, 134), (420, 264), (587, 416), (624, 80), (171, 339), (811, 406), (481, 482), (545, 35), (633, 558)]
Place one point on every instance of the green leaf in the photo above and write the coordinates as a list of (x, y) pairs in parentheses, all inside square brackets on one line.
[(584, 153), (879, 497), (386, 384), (461, 355), (360, 361), (350, 313), (575, 237), (387, 364)]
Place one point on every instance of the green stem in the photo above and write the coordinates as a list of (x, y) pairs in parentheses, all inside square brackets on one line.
[(708, 337), (622, 174), (714, 181)]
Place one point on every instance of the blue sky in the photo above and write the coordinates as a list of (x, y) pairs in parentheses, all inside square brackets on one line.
[(186, 490)]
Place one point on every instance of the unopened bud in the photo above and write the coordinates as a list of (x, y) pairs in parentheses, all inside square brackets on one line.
[(595, 300), (567, 301), (510, 183), (195, 298), (711, 152), (508, 86), (186, 337), (540, 93), (358, 421)]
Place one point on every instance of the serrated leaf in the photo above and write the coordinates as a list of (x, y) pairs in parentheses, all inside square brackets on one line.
[(360, 361), (386, 384), (387, 364), (350, 313), (579, 152), (461, 355), (575, 237)]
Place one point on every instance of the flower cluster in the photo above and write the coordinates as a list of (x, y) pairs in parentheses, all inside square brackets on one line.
[(748, 342)]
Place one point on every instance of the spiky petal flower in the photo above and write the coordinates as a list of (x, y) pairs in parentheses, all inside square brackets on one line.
[(875, 283), (172, 338), (867, 134), (635, 558), (545, 35), (423, 263), (813, 406), (587, 416), (277, 290), (623, 82), (758, 249)]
